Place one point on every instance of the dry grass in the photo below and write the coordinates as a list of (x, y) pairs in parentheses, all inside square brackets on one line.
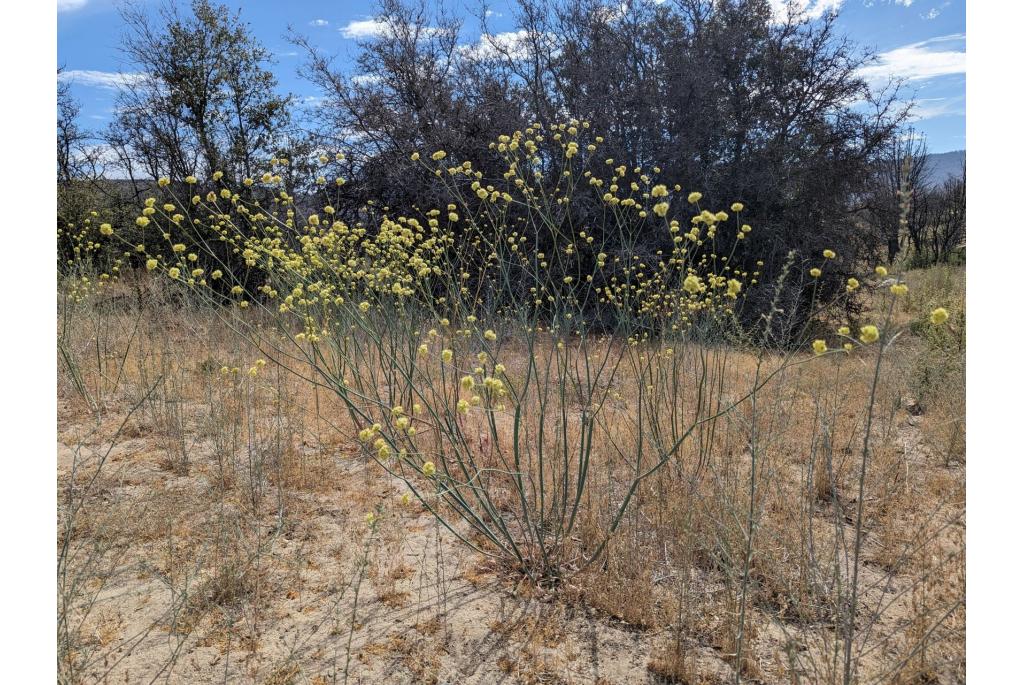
[(213, 529)]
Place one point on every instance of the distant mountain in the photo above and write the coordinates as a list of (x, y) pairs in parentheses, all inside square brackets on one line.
[(944, 165)]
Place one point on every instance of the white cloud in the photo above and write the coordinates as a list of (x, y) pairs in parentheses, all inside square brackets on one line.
[(69, 5), (918, 61), (812, 9), (102, 159), (101, 79), (365, 28), (935, 11), (365, 79), (511, 44), (319, 23), (611, 13), (377, 28)]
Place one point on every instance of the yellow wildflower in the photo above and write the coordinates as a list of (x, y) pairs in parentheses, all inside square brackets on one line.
[(868, 334)]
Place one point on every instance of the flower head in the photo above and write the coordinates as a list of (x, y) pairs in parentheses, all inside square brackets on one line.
[(819, 347), (939, 316), (868, 334)]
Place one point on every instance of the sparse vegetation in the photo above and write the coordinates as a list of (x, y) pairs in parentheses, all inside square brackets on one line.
[(618, 441), (541, 415)]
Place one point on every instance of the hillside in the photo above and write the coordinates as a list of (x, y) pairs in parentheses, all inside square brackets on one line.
[(945, 165)]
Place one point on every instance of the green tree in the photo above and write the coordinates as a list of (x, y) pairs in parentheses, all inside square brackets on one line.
[(203, 97)]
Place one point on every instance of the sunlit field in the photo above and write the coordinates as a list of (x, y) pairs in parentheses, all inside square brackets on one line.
[(480, 442)]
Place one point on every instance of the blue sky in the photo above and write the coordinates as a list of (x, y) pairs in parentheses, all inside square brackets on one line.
[(921, 41)]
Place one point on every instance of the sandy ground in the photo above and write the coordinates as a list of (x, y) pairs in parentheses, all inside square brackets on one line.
[(209, 574), (428, 609)]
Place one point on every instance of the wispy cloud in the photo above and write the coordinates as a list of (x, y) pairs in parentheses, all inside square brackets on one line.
[(319, 23), (812, 9), (930, 108), (69, 5), (917, 61), (101, 79)]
